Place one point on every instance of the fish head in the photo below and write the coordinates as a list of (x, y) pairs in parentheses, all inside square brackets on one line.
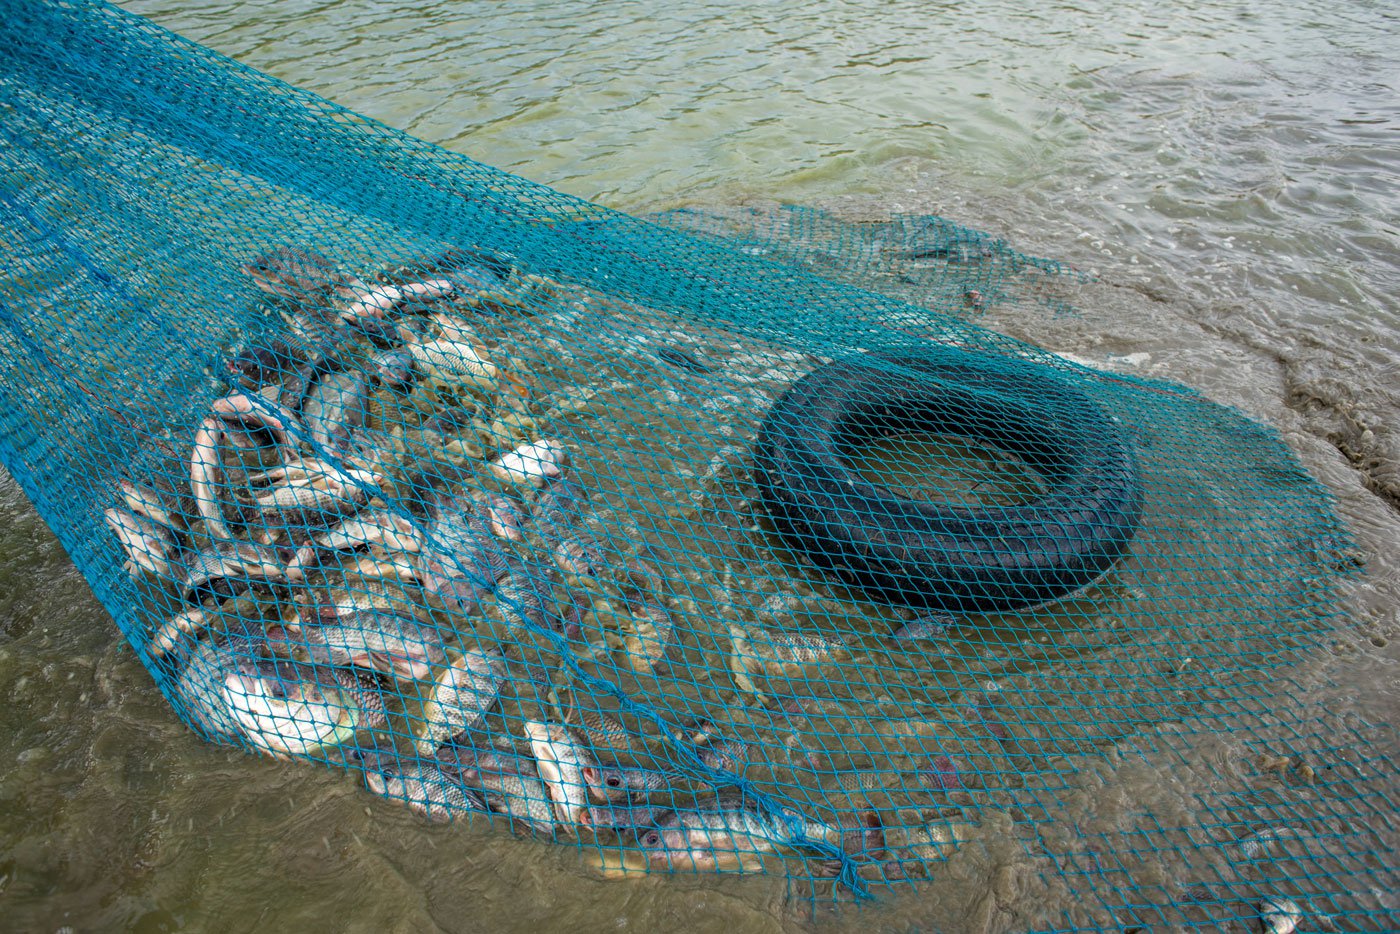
[(608, 785), (667, 841)]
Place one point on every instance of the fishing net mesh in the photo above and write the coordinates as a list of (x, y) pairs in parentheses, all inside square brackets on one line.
[(717, 541)]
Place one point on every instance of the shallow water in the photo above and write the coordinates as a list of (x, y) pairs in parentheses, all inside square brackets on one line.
[(1228, 173)]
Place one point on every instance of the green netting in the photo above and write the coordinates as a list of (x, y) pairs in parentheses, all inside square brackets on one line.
[(716, 542)]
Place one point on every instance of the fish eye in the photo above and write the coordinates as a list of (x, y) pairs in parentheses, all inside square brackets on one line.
[(651, 838), (612, 780)]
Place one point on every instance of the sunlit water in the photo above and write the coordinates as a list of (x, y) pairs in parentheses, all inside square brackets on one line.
[(1229, 170)]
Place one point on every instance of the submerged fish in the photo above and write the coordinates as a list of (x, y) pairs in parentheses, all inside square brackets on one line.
[(782, 653), (461, 695), (299, 274), (336, 409), (199, 690), (461, 560), (729, 834), (519, 794), (931, 626), (417, 783)]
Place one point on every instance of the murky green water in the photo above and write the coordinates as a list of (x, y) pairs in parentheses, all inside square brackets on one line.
[(1228, 169)]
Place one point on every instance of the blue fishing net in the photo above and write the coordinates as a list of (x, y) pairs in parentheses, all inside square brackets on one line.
[(713, 542)]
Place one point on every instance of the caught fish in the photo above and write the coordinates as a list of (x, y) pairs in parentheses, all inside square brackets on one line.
[(524, 596), (531, 464), (461, 695), (378, 301), (276, 371), (681, 360), (650, 629), (308, 491), (782, 653), (469, 270), (300, 274), (373, 637), (931, 626), (248, 412), (561, 762), (580, 557), (1279, 915), (336, 409), (420, 785), (622, 817), (559, 508), (392, 367), (182, 627), (603, 730), (149, 546), (728, 834), (615, 784), (199, 691), (228, 570), (519, 795), (378, 528), (461, 560), (287, 709), (161, 506)]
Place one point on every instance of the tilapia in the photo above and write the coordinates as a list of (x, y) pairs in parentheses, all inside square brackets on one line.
[(287, 709), (650, 630), (373, 637), (561, 761), (199, 690), (524, 596), (462, 693), (728, 834), (931, 626), (519, 795), (618, 783), (149, 546), (461, 560), (377, 528), (275, 371), (782, 653), (419, 784), (378, 300), (227, 570), (336, 409), (300, 274), (531, 464)]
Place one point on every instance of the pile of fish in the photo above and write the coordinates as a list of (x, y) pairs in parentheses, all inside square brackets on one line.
[(369, 555)]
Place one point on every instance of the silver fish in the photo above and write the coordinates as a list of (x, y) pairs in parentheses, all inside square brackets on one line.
[(375, 638), (227, 570), (336, 409), (524, 597), (461, 560), (520, 795), (199, 691), (728, 834), (616, 783), (561, 762), (149, 546), (420, 785), (286, 709), (461, 695)]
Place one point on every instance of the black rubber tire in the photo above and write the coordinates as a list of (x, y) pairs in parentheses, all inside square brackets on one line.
[(940, 555)]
